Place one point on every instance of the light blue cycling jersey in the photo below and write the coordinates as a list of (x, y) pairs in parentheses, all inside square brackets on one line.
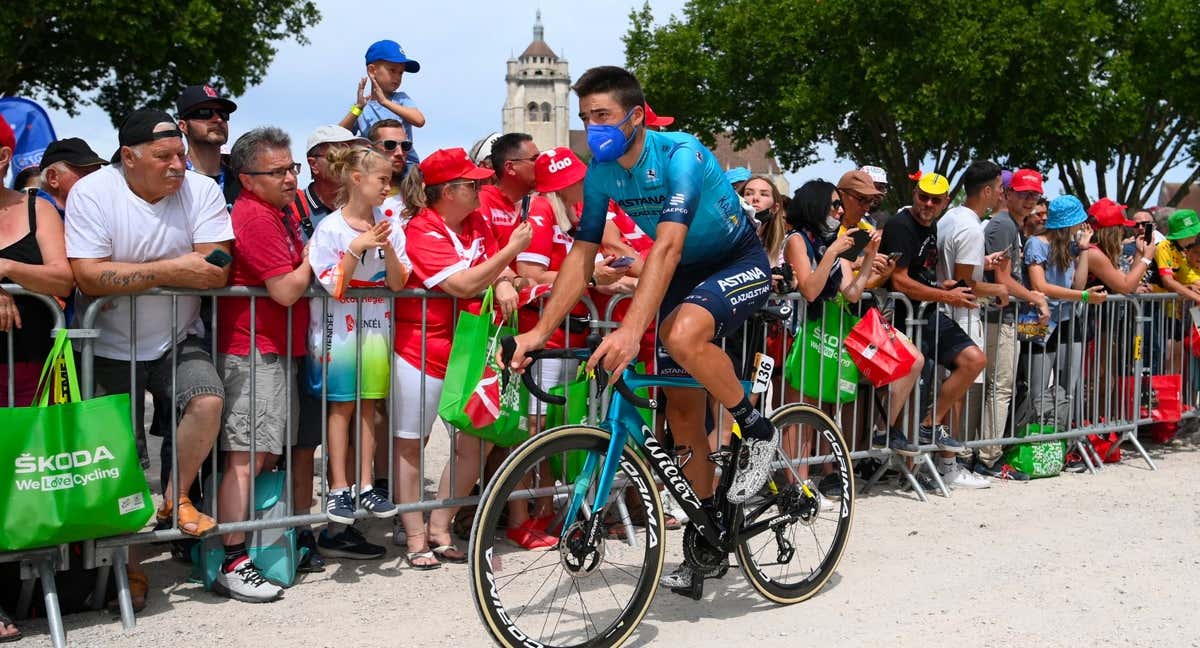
[(677, 180)]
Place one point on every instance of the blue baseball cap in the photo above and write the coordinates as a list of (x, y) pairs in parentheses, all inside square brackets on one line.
[(390, 51), (1065, 211)]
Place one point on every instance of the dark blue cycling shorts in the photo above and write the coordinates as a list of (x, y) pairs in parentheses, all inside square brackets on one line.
[(730, 289)]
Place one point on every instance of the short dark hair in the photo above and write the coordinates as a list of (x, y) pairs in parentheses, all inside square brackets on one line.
[(384, 123), (620, 82), (506, 147), (978, 175), (247, 147)]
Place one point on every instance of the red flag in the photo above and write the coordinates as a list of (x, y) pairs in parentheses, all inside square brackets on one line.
[(483, 407)]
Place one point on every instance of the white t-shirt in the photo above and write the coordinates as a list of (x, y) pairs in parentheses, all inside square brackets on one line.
[(330, 242), (960, 237), (105, 219), (395, 205)]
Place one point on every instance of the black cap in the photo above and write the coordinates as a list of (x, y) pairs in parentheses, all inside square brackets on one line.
[(139, 126), (198, 94), (73, 151)]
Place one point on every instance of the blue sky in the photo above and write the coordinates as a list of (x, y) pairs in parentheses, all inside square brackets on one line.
[(462, 46)]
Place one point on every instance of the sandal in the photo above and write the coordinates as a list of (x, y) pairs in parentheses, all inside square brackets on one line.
[(413, 556), (450, 553), (139, 589), (188, 516), (5, 621)]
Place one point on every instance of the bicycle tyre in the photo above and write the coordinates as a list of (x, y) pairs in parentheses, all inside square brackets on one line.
[(502, 622), (778, 588)]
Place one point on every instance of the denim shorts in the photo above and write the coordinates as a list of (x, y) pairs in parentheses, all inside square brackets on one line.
[(195, 375)]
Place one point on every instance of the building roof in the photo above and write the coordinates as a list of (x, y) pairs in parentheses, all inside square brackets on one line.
[(756, 157), (538, 48), (1190, 201)]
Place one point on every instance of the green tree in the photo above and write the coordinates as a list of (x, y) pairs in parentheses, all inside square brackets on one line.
[(124, 54), (1057, 84)]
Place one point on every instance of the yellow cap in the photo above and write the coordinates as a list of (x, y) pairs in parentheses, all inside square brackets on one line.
[(934, 184)]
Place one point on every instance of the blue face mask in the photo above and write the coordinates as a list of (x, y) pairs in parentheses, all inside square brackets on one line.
[(608, 142)]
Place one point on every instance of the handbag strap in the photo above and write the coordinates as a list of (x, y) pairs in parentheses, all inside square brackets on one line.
[(62, 347)]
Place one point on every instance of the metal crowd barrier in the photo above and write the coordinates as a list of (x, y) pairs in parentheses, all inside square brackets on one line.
[(1113, 342), (36, 563)]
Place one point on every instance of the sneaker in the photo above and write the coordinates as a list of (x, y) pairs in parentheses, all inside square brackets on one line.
[(377, 503), (1000, 471), (245, 583), (753, 466), (339, 506), (528, 536), (673, 509), (959, 478), (313, 562), (939, 435), (348, 544), (683, 575), (896, 441), (830, 486), (381, 485)]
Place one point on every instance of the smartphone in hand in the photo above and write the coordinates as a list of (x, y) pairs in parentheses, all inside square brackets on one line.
[(219, 258), (623, 262), (1148, 232)]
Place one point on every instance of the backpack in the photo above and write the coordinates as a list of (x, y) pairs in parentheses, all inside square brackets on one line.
[(273, 551)]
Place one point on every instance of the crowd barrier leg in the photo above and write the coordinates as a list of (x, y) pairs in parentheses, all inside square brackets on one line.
[(58, 636), (124, 598)]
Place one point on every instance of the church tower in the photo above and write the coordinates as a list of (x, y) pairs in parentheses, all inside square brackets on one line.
[(538, 87)]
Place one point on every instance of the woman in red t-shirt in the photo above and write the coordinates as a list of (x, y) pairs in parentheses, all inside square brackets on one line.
[(452, 253)]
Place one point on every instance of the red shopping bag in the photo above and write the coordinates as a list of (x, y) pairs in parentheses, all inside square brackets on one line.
[(1107, 446), (1162, 397), (878, 350)]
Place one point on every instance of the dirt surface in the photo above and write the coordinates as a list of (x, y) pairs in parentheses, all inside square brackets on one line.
[(1106, 559)]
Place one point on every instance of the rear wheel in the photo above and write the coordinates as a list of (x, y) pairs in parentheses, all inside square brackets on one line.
[(577, 593), (794, 558)]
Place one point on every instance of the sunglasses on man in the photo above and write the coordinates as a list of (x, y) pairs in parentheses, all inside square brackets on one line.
[(205, 114), (390, 145)]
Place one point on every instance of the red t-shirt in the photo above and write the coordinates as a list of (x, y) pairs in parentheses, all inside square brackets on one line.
[(500, 213), (264, 246), (548, 247), (436, 253)]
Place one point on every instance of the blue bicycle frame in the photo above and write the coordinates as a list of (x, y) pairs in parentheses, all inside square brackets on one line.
[(623, 422)]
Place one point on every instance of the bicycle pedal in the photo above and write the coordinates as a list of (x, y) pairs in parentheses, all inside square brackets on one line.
[(695, 591)]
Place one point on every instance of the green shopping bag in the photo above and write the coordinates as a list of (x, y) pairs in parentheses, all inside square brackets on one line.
[(69, 471), (476, 338), (818, 364), (575, 412), (1043, 459)]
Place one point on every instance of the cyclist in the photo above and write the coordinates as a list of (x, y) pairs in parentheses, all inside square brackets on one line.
[(705, 274)]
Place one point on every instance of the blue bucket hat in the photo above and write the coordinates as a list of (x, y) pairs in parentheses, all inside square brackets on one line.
[(737, 174), (390, 51), (1065, 211)]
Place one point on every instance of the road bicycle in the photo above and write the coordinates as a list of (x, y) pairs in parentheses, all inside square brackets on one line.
[(594, 587)]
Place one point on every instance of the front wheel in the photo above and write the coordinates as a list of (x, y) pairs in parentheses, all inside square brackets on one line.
[(576, 593), (803, 517)]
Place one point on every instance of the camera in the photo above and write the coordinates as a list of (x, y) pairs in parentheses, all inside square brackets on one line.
[(784, 284)]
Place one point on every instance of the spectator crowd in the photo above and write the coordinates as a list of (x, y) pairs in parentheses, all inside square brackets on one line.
[(179, 205)]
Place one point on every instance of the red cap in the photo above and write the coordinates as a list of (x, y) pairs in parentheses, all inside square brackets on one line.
[(1107, 213), (655, 120), (556, 169), (7, 138), (444, 165), (1027, 180)]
